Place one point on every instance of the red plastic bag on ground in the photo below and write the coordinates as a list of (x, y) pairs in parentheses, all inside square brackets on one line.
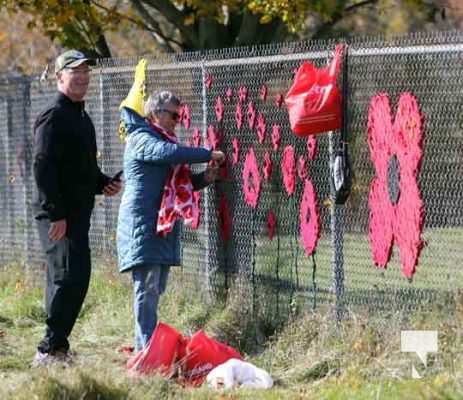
[(200, 354), (314, 101), (160, 354)]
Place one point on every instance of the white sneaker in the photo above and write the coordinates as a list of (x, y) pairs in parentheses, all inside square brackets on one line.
[(46, 359), (42, 359)]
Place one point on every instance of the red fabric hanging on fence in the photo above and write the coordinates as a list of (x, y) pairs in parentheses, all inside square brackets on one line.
[(314, 101)]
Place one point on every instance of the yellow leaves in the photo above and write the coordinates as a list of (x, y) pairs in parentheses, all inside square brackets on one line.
[(291, 12), (65, 16), (265, 19), (253, 6), (189, 20), (441, 380), (327, 202), (19, 286)]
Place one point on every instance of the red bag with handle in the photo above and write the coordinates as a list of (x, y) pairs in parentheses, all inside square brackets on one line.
[(314, 101), (200, 354), (160, 354)]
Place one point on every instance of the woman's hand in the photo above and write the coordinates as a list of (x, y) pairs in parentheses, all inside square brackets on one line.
[(218, 156)]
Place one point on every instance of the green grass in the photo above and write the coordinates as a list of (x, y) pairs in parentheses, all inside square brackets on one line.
[(437, 272), (307, 354)]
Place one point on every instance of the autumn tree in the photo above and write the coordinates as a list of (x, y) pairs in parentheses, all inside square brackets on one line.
[(177, 25)]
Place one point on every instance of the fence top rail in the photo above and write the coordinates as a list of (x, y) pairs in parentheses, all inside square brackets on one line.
[(416, 43), (311, 55)]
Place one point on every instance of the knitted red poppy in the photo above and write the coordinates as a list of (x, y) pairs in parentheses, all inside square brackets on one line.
[(239, 116), (242, 94), (208, 81), (261, 127), (396, 207), (236, 151), (309, 219), (229, 94), (186, 116), (219, 109), (312, 147), (288, 169), (214, 137), (263, 92), (251, 115), (302, 171), (276, 136), (251, 179), (271, 224), (196, 136), (268, 166)]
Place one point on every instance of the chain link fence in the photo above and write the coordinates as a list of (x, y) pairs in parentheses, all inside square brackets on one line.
[(276, 274)]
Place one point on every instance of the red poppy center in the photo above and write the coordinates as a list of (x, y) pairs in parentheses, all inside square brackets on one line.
[(393, 179)]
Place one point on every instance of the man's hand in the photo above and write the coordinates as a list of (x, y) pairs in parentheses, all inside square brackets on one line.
[(211, 174), (218, 156), (57, 229), (112, 188)]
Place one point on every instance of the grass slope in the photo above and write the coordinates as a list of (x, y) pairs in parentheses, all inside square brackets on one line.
[(309, 356)]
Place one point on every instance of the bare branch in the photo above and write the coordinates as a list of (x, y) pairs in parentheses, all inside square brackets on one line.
[(155, 27), (172, 15), (337, 16)]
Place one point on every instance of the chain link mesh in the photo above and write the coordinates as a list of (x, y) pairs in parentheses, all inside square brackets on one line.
[(275, 275)]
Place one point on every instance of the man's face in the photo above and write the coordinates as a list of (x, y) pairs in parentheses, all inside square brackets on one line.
[(73, 82), (168, 117)]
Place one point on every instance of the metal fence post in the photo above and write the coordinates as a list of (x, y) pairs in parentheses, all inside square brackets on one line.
[(105, 153), (207, 194), (10, 239), (27, 173)]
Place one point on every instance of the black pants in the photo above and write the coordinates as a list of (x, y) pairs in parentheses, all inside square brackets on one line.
[(68, 277)]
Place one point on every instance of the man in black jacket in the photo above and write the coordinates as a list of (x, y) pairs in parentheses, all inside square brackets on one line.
[(67, 177)]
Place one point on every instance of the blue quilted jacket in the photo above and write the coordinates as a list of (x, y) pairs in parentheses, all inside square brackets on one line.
[(148, 158)]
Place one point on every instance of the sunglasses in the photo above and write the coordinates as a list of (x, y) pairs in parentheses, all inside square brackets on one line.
[(173, 114)]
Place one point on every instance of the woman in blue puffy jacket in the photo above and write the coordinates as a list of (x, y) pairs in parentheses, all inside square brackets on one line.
[(150, 160)]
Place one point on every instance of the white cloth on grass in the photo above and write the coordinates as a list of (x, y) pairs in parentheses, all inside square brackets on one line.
[(237, 373)]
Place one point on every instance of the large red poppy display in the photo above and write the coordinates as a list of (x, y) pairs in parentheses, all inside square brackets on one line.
[(396, 207)]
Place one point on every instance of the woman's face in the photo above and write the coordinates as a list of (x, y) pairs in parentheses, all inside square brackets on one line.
[(168, 117)]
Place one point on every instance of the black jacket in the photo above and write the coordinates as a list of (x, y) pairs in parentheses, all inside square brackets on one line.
[(65, 165)]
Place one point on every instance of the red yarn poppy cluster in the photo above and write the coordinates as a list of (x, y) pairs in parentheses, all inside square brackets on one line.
[(246, 111)]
